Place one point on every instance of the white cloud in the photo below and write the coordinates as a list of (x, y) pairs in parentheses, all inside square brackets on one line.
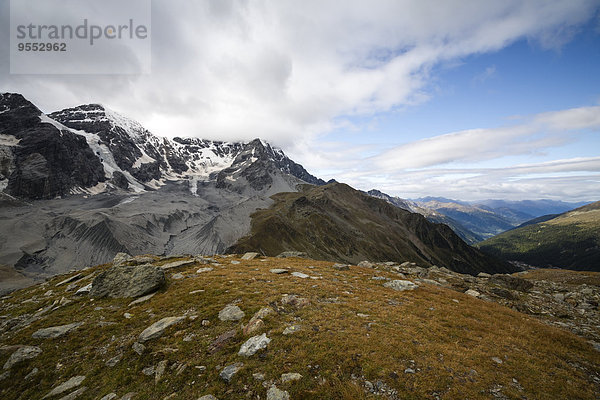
[(289, 71), (284, 71), (545, 130)]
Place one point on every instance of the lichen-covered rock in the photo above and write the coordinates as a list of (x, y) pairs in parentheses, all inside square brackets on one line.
[(275, 394), (229, 371), (253, 345), (400, 285), (231, 313), (22, 354), (55, 331), (128, 281), (158, 328)]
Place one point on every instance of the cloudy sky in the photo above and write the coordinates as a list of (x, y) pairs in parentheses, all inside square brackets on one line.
[(456, 98)]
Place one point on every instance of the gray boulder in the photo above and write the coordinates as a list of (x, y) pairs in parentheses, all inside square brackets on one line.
[(249, 256), (400, 285), (275, 394), (55, 331), (288, 254), (340, 267), (158, 328), (230, 370), (231, 313), (68, 385), (254, 344), (22, 354), (120, 259), (128, 281), (279, 271)]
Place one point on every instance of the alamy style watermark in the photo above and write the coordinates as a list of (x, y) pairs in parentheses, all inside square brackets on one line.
[(80, 36)]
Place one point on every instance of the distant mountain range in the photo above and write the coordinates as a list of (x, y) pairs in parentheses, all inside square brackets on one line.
[(81, 184), (570, 240), (477, 221)]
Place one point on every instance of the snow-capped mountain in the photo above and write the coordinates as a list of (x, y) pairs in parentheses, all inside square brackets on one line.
[(124, 155), (150, 194)]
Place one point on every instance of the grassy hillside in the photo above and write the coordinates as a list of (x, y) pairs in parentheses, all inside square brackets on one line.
[(355, 338), (571, 240), (336, 222)]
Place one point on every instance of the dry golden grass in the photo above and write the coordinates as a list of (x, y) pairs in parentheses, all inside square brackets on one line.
[(450, 344)]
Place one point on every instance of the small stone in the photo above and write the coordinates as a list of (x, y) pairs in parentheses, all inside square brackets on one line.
[(176, 264), (55, 331), (22, 354), (84, 290), (70, 279), (141, 299), (365, 264), (75, 394), (197, 291), (114, 361), (160, 370), (409, 371), (157, 329), (254, 325), (149, 371), (205, 269), (300, 275), (121, 258), (294, 301), (234, 262), (264, 312), (473, 293), (138, 348), (230, 370), (4, 375), (253, 345), (279, 271), (128, 396), (127, 315), (208, 397), (177, 276), (340, 267), (497, 360), (249, 256), (189, 337), (205, 322), (291, 329), (259, 376), (291, 376), (483, 275), (68, 385), (109, 396), (400, 285), (275, 394), (559, 296), (231, 313), (32, 374), (288, 254)]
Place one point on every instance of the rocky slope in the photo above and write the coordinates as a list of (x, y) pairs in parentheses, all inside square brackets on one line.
[(431, 214), (79, 185), (336, 222), (570, 240), (253, 327)]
